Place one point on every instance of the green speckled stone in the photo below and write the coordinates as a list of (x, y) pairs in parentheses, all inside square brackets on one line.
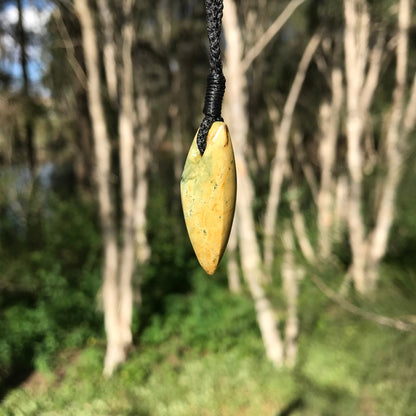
[(208, 193)]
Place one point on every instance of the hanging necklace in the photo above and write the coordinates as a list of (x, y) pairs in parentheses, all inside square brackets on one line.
[(208, 184)]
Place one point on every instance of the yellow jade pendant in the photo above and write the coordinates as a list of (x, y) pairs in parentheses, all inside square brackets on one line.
[(208, 193)]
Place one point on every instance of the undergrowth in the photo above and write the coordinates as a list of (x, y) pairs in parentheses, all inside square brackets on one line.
[(204, 356)]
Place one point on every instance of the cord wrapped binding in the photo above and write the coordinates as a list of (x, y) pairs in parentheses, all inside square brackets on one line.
[(216, 80), (212, 108)]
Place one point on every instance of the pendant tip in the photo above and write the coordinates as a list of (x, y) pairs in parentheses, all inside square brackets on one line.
[(209, 267), (209, 271)]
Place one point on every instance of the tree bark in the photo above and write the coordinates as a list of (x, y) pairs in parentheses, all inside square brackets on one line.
[(357, 28), (115, 353), (29, 139), (234, 283), (330, 116), (394, 143), (142, 187), (368, 248), (290, 277), (126, 138), (237, 119)]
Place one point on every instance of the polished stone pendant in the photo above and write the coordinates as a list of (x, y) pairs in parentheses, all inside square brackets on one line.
[(208, 193)]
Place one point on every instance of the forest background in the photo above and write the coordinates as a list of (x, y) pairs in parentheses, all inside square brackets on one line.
[(103, 306)]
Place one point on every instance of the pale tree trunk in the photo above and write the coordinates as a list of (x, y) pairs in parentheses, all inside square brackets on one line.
[(126, 153), (109, 49), (29, 139), (290, 276), (234, 283), (395, 144), (368, 249), (356, 50), (329, 119), (236, 116), (361, 83), (268, 35), (278, 167), (142, 161), (115, 349)]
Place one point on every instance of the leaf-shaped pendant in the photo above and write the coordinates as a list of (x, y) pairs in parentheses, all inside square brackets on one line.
[(208, 193)]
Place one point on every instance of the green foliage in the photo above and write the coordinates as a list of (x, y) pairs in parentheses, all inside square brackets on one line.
[(49, 289), (212, 384), (351, 366), (208, 319), (203, 355), (346, 366)]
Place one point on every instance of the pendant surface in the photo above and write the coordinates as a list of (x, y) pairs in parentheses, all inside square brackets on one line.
[(208, 194)]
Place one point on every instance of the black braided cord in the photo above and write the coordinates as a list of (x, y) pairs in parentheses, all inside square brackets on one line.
[(216, 80)]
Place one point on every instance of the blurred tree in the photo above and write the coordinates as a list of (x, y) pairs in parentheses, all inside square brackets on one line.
[(362, 69), (236, 66), (29, 139), (116, 342)]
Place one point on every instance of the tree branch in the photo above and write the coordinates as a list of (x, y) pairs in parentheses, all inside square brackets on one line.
[(283, 133), (371, 81), (270, 33), (69, 46), (356, 310)]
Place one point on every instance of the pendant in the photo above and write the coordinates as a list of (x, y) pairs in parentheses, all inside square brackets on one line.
[(208, 194)]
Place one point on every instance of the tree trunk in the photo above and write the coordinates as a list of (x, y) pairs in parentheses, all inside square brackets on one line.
[(237, 119), (330, 115), (126, 137), (362, 72), (115, 353), (142, 187), (29, 139), (290, 277), (357, 27), (234, 283), (395, 138)]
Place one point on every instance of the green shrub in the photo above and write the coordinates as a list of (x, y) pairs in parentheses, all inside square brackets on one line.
[(208, 318), (49, 288)]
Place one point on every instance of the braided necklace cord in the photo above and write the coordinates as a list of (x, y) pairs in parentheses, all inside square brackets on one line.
[(216, 80)]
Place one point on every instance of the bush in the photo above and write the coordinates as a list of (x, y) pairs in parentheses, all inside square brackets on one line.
[(209, 318), (49, 288)]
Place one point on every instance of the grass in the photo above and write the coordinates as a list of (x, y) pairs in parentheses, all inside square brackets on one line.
[(346, 366), (210, 384)]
